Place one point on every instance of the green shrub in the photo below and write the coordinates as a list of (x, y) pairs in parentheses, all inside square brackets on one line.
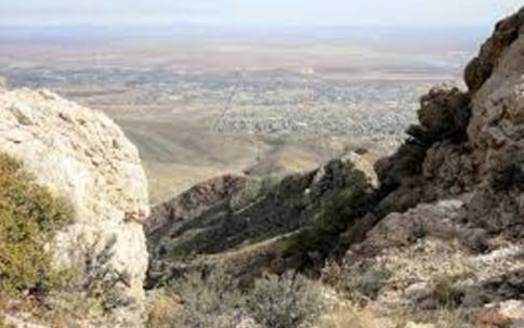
[(29, 218), (357, 284), (288, 301), (338, 210), (372, 282)]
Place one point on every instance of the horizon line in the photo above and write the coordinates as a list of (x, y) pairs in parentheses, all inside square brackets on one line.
[(122, 25)]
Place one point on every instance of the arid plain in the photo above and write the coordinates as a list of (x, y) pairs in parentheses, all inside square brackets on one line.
[(199, 102)]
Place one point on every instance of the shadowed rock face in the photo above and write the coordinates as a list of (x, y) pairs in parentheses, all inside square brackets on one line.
[(232, 215), (168, 216), (481, 67)]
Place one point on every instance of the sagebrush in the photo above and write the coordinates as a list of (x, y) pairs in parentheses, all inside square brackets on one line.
[(216, 300)]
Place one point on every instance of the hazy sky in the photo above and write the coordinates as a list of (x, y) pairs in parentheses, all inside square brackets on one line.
[(257, 12)]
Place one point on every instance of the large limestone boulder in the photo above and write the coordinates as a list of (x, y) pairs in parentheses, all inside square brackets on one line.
[(83, 156)]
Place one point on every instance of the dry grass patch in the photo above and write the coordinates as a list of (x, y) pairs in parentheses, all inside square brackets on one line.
[(346, 316), (163, 309)]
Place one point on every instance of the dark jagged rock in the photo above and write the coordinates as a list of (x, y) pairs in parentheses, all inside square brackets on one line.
[(444, 113), (406, 163), (481, 67)]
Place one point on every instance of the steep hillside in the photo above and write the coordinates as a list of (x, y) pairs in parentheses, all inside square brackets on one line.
[(250, 224)]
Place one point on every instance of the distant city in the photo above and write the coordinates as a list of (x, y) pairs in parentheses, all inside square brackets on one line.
[(199, 104)]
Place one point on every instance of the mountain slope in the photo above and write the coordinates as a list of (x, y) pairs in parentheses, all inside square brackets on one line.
[(442, 231)]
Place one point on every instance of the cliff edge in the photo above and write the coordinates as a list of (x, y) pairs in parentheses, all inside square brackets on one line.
[(82, 156)]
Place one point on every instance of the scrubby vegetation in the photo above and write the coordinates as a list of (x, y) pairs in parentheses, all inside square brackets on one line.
[(288, 301), (210, 300), (100, 280), (337, 209), (445, 290), (216, 300), (29, 218), (359, 286), (94, 291)]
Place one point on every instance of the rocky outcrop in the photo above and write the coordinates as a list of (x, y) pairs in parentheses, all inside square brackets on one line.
[(471, 142), (496, 133), (84, 157), (450, 219), (442, 229), (481, 67)]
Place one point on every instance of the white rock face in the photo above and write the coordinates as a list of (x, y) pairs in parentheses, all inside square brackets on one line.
[(82, 155)]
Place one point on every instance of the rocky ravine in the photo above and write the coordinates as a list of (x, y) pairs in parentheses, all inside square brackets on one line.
[(81, 155), (449, 205)]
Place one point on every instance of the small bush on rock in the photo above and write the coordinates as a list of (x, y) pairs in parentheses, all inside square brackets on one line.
[(101, 280), (29, 218), (95, 291)]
